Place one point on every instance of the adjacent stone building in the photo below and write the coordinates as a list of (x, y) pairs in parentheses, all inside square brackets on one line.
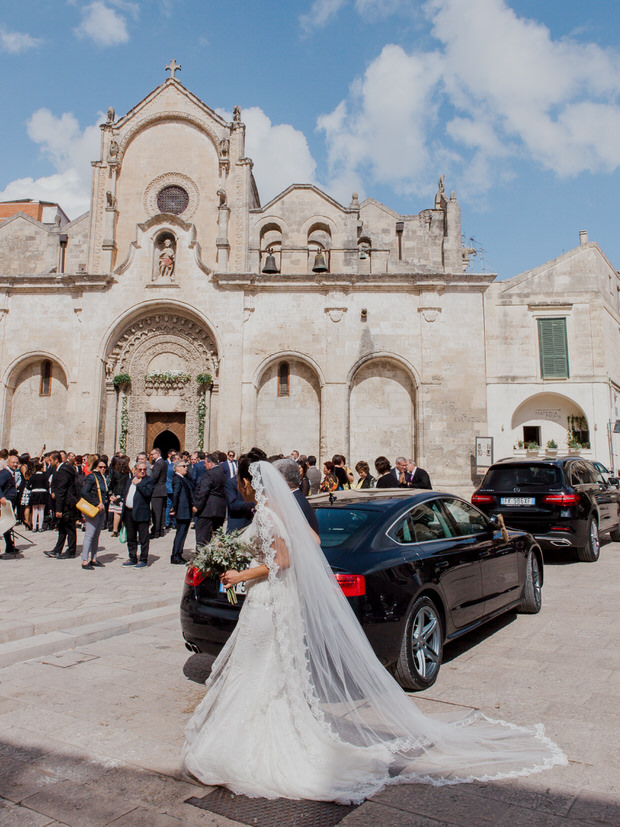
[(179, 311)]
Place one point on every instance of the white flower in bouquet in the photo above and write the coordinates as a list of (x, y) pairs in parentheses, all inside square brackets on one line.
[(222, 553)]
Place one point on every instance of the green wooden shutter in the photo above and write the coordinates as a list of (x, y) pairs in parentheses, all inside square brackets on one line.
[(553, 346)]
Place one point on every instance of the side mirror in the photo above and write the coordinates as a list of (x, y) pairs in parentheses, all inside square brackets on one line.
[(494, 520), (613, 481)]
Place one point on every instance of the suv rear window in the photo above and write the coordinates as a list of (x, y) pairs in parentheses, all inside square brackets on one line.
[(338, 525), (508, 477)]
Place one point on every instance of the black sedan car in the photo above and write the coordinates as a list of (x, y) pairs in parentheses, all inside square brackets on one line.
[(419, 569), (564, 503)]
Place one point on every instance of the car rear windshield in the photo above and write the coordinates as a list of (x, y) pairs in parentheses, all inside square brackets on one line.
[(338, 526), (508, 477)]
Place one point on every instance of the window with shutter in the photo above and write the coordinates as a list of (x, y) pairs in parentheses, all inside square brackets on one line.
[(283, 379), (553, 346)]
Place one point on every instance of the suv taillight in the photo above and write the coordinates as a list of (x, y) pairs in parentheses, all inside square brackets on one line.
[(561, 499), (352, 585), (193, 576), (482, 499)]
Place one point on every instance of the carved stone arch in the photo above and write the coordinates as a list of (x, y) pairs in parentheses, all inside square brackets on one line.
[(292, 420), (287, 356), (163, 350), (149, 120), (382, 403), (33, 414)]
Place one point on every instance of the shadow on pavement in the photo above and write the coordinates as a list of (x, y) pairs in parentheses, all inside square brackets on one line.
[(463, 644), (198, 667)]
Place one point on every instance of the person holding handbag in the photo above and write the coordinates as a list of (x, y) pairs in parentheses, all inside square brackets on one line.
[(95, 492)]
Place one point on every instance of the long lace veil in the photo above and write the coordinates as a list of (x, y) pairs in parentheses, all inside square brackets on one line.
[(327, 659)]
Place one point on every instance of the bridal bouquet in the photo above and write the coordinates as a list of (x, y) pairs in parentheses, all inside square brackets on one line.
[(222, 553)]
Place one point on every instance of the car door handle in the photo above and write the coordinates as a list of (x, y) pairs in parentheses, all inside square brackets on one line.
[(485, 554), (443, 565)]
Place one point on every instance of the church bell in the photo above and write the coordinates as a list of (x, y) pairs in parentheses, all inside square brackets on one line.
[(270, 264), (319, 263)]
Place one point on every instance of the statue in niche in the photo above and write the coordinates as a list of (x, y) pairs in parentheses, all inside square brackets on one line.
[(111, 201), (222, 196), (224, 147), (113, 152), (111, 114), (166, 262), (237, 114)]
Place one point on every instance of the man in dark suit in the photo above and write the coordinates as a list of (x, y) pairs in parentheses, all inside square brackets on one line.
[(418, 477), (290, 471), (182, 503), (8, 493), (159, 474), (197, 469), (240, 513), (210, 500), (136, 515), (65, 495)]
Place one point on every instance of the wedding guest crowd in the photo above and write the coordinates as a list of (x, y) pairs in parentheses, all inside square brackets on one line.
[(140, 501)]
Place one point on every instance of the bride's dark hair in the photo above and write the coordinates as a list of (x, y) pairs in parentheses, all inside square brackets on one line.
[(245, 460)]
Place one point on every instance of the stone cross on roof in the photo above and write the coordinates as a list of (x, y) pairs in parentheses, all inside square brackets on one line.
[(173, 67)]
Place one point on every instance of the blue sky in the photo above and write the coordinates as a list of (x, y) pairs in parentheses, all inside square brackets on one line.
[(515, 101)]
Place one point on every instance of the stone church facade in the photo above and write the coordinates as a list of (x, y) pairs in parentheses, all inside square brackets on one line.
[(179, 311)]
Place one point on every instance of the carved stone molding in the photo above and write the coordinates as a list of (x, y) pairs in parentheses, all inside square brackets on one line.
[(335, 313), (169, 179), (429, 314)]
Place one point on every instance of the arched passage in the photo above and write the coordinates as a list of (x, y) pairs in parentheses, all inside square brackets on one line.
[(549, 416), (36, 405), (381, 411), (166, 441)]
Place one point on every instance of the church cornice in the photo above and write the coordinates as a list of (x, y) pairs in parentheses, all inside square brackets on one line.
[(410, 282), (53, 282)]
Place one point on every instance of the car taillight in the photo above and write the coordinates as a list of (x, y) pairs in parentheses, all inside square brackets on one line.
[(352, 585), (193, 576), (561, 499), (482, 499)]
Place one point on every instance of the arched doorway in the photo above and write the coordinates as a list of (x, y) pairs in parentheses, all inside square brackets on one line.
[(167, 441), (162, 354)]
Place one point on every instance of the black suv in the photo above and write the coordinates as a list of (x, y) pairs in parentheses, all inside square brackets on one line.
[(562, 502)]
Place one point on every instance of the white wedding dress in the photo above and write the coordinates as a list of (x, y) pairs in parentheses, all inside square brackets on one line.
[(298, 706)]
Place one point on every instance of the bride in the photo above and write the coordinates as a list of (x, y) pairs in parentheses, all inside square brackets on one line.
[(297, 704)]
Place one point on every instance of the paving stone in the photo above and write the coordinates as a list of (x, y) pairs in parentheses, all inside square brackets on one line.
[(141, 817), (455, 804), (18, 779), (12, 815), (72, 804), (604, 809), (380, 815)]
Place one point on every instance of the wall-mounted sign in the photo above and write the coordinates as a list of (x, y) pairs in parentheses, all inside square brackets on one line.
[(484, 453)]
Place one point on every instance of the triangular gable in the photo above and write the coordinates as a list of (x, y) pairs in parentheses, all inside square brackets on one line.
[(46, 228), (84, 217), (176, 86), (296, 187), (554, 264), (372, 202)]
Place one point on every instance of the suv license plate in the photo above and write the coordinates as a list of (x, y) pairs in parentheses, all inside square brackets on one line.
[(517, 501)]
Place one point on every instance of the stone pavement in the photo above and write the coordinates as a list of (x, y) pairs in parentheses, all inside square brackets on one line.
[(91, 734)]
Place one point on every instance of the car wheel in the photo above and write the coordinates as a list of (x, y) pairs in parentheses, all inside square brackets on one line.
[(532, 593), (591, 551), (421, 648)]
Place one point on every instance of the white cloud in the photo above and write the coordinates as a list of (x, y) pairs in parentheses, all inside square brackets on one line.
[(70, 150), (497, 88), (103, 24), (321, 11), (280, 153), (17, 42)]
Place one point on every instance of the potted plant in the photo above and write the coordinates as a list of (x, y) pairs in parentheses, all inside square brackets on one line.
[(121, 380), (532, 448), (574, 446), (552, 448)]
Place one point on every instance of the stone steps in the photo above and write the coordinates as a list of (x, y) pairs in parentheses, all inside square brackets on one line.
[(54, 633)]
